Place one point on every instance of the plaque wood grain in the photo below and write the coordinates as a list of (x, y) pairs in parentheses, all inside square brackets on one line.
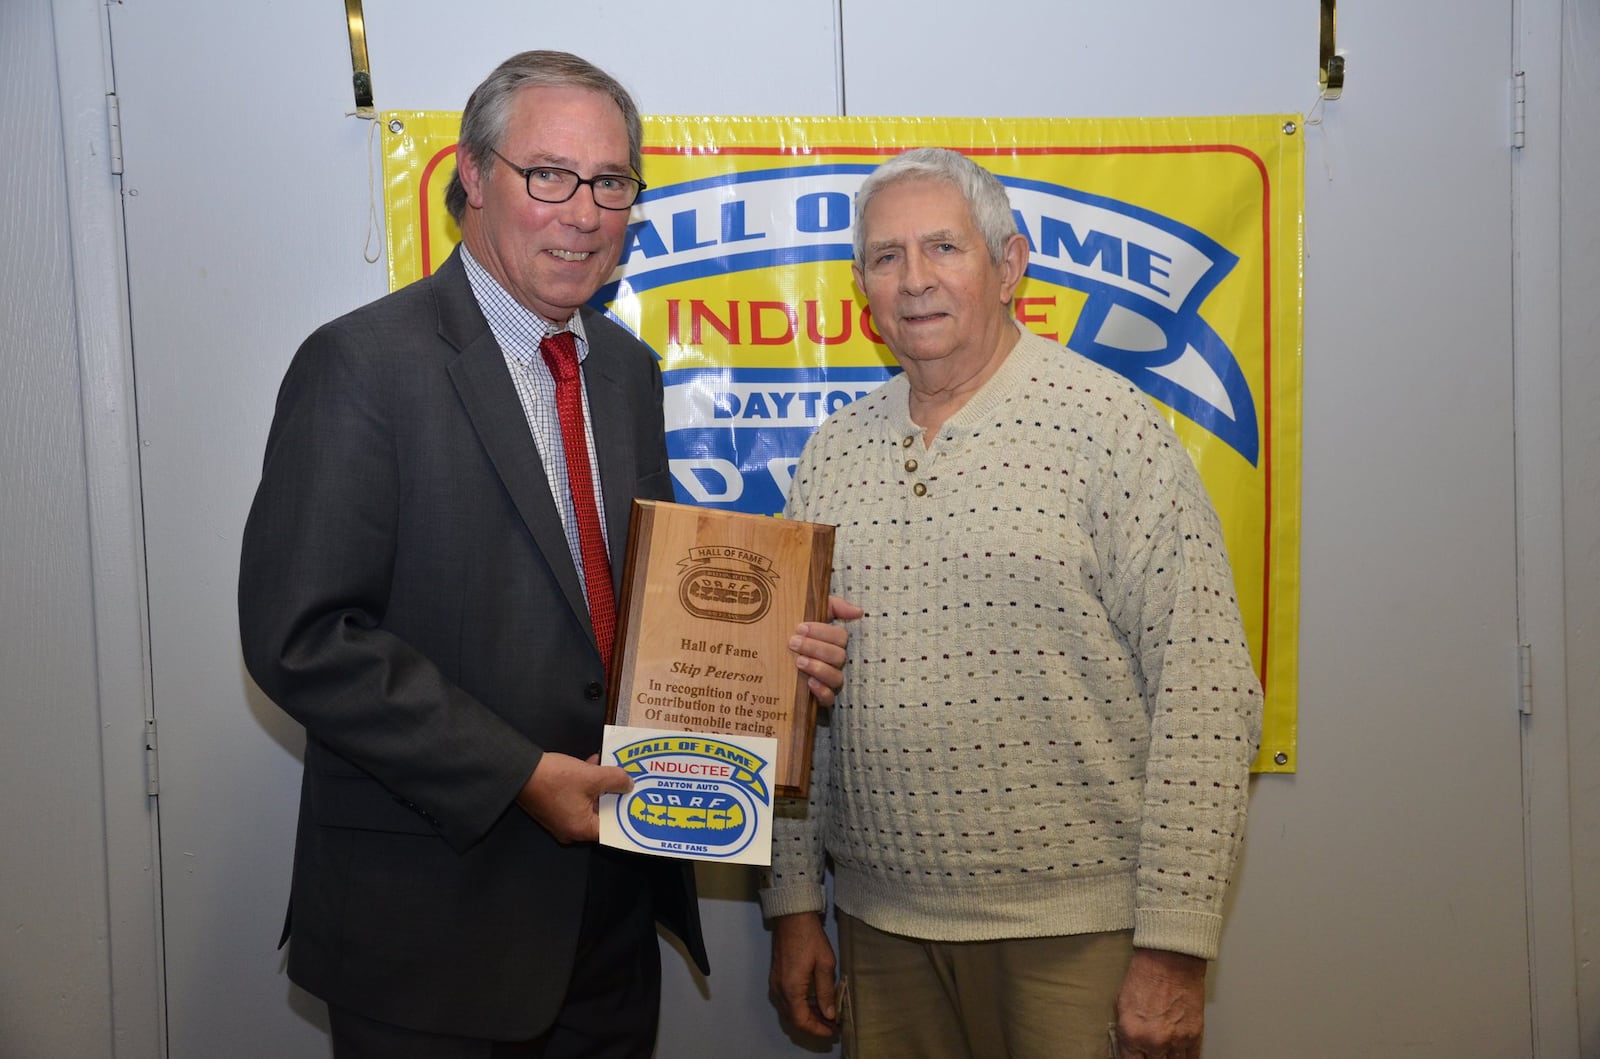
[(709, 601)]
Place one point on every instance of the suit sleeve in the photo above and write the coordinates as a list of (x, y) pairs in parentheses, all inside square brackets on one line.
[(315, 586)]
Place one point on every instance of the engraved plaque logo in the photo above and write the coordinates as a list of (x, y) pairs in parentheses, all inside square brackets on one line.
[(725, 583)]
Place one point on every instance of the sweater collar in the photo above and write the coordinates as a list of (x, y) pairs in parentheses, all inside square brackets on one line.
[(1019, 366)]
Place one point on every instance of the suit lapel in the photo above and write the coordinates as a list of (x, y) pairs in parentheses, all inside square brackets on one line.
[(613, 432), (490, 399)]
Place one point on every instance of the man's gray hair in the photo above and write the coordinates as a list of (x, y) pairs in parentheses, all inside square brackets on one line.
[(985, 195), (483, 122)]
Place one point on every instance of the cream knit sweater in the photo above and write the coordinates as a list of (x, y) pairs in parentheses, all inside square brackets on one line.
[(1049, 709)]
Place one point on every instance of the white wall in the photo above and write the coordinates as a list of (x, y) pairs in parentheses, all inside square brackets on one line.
[(1381, 906), (53, 871), (1577, 282), (79, 971)]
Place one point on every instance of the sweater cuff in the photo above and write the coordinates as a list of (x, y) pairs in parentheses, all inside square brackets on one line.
[(1194, 933), (791, 900)]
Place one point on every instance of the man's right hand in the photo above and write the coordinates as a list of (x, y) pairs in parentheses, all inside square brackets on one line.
[(563, 795), (802, 974)]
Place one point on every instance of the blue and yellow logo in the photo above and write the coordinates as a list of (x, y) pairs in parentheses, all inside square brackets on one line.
[(691, 795)]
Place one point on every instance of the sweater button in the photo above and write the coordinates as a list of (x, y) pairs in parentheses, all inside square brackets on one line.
[(905, 442), (920, 489), (911, 465), (592, 690)]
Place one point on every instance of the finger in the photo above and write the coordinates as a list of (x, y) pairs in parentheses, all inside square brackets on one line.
[(822, 649), (798, 1005), (824, 684), (826, 1002), (819, 671), (823, 678), (609, 779), (820, 691), (841, 609), (835, 636)]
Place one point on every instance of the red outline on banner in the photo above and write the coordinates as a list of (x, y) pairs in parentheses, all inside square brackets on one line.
[(878, 152), (424, 244)]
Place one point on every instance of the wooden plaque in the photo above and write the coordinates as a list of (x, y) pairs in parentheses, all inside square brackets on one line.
[(709, 601)]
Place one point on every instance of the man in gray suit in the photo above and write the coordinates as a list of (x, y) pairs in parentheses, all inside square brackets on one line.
[(412, 590)]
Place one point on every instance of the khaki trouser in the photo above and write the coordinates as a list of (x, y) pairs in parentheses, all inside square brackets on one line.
[(1050, 998)]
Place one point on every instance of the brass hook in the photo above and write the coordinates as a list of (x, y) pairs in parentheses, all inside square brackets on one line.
[(361, 70), (1330, 73)]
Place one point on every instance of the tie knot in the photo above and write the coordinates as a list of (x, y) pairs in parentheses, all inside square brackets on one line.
[(560, 352)]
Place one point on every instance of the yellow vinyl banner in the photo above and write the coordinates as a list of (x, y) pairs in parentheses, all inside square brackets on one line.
[(1167, 249)]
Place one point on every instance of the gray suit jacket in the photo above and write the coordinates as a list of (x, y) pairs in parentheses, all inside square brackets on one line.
[(406, 594)]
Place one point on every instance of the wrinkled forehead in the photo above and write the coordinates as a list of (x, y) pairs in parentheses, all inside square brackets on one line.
[(919, 207), (566, 118)]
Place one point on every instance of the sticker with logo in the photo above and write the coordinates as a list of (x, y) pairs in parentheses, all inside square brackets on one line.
[(696, 797)]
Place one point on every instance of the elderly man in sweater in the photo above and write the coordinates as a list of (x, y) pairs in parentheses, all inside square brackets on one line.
[(1033, 783)]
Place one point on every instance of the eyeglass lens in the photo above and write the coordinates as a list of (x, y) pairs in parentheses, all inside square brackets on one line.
[(611, 191)]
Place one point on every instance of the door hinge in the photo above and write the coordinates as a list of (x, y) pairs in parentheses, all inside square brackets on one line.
[(114, 115), (1519, 110), (152, 775), (1525, 679)]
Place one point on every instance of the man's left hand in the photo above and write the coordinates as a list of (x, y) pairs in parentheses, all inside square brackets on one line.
[(819, 649), (1161, 1009)]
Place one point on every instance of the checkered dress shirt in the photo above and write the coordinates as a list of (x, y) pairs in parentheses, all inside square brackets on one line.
[(519, 333)]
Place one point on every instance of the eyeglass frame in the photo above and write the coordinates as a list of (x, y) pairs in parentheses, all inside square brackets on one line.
[(527, 183)]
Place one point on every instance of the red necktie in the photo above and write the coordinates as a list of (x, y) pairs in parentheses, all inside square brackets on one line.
[(561, 354)]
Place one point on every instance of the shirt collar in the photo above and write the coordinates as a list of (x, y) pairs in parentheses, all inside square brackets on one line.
[(517, 328)]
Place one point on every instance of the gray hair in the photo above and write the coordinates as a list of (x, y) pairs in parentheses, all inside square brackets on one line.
[(985, 195), (483, 122)]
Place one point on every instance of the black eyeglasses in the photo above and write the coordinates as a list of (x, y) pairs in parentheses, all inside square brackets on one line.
[(546, 183)]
